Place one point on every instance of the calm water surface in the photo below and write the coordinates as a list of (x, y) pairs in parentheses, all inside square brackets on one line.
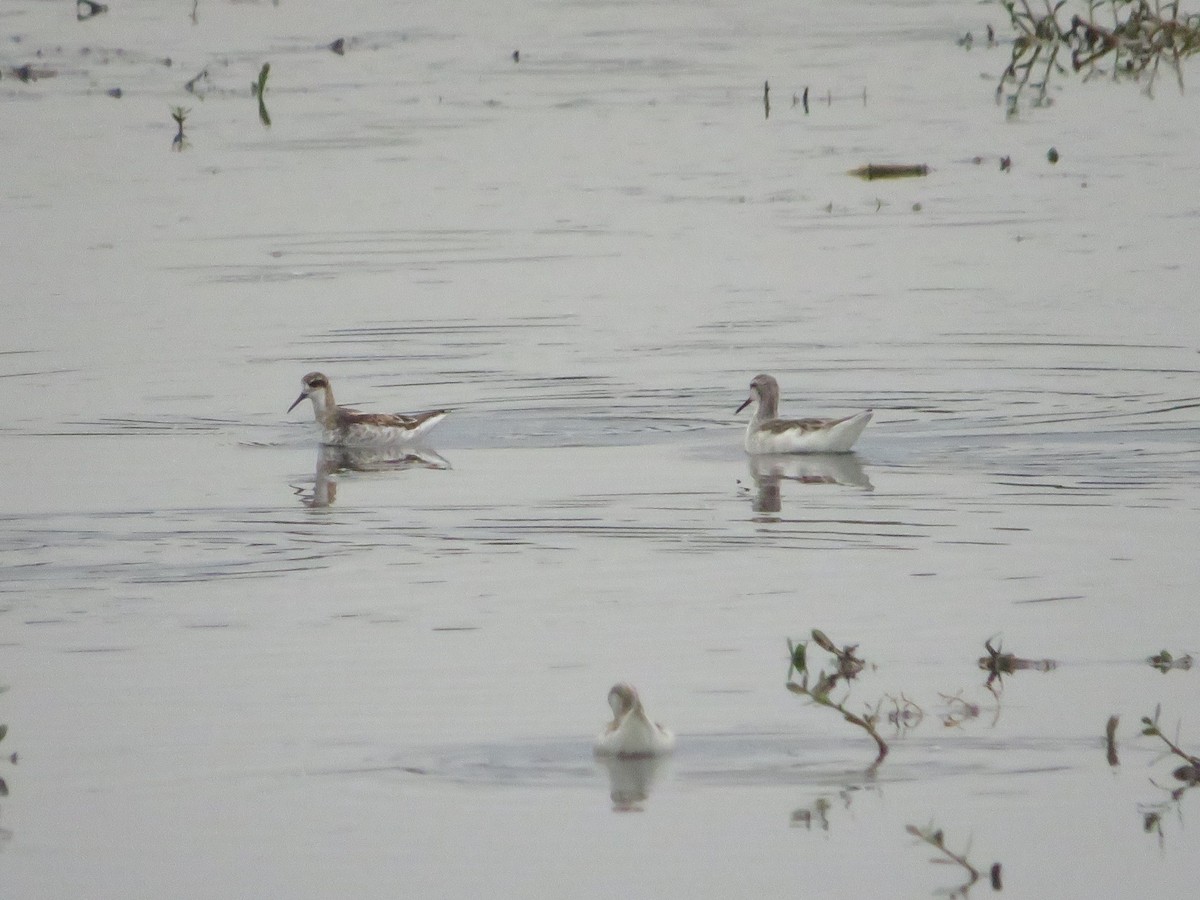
[(239, 665)]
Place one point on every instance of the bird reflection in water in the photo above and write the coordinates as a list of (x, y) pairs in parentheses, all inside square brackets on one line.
[(332, 460), (769, 470), (630, 779)]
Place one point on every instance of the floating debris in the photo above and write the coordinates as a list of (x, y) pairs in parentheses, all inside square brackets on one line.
[(86, 9), (339, 46), (516, 56), (1165, 662), (767, 99), (28, 73), (1006, 164), (1052, 155), (998, 664), (871, 172), (116, 93), (190, 86), (1110, 740)]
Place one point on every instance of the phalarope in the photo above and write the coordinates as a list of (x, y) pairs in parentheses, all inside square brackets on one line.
[(345, 427), (631, 733), (767, 433)]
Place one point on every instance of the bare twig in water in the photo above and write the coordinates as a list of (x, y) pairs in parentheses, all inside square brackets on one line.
[(259, 88), (767, 98), (848, 667), (870, 171), (935, 838), (1110, 740)]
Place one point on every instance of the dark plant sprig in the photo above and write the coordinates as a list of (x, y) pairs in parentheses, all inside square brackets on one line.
[(259, 88), (1151, 728), (179, 114), (936, 838), (998, 664), (1189, 773), (848, 666)]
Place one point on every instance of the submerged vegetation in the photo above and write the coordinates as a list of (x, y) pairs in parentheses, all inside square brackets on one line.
[(1121, 39)]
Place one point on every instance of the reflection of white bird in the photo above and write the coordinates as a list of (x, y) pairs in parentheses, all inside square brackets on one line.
[(767, 433), (771, 469), (350, 428), (631, 733), (332, 459), (630, 779), (810, 468)]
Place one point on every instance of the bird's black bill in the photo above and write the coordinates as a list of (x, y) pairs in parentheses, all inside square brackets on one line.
[(735, 412), (303, 396)]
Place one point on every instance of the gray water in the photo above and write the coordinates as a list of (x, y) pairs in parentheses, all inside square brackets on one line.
[(239, 666)]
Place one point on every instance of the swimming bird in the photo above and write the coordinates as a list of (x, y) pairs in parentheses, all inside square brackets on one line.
[(631, 733), (767, 433), (345, 427)]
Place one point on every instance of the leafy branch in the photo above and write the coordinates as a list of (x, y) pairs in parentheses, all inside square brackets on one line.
[(848, 666)]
